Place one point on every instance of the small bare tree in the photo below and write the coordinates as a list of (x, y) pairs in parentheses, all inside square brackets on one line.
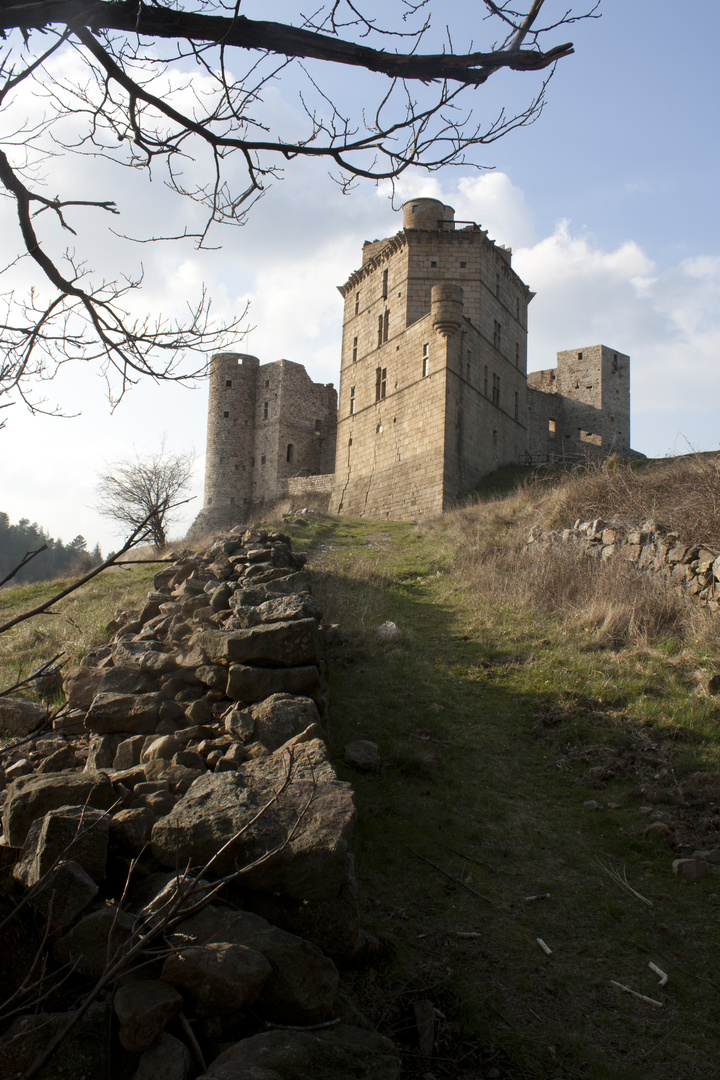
[(145, 489)]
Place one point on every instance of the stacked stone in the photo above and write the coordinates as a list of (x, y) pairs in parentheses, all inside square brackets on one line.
[(192, 754), (691, 568)]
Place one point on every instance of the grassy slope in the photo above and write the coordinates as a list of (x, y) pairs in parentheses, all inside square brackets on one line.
[(496, 724)]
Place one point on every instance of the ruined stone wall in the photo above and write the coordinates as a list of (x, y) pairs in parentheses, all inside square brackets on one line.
[(587, 413)]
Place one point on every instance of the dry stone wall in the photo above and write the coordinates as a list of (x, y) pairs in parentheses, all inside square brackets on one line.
[(691, 568), (181, 841)]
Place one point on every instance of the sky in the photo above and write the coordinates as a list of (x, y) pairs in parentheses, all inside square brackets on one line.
[(609, 202)]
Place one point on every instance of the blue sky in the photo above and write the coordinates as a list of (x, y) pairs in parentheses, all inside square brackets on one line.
[(610, 202)]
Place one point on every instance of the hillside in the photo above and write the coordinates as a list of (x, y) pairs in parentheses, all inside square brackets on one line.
[(548, 743)]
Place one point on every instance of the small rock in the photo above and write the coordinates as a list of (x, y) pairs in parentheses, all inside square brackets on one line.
[(168, 1058), (689, 869), (658, 828), (591, 804), (362, 754), (389, 632), (218, 978), (144, 1007)]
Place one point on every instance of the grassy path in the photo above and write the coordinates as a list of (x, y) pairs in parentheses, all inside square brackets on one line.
[(496, 732)]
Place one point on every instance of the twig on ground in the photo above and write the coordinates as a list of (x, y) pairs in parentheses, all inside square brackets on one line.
[(456, 881), (623, 882), (640, 997)]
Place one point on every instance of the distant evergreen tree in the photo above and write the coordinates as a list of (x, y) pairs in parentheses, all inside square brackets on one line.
[(59, 560)]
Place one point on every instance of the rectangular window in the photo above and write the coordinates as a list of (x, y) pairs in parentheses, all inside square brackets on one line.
[(228, 382), (615, 362), (496, 389), (265, 410), (517, 308), (352, 400), (426, 360), (386, 324), (485, 384), (380, 330), (223, 460), (463, 266), (517, 405), (385, 285), (497, 284), (357, 303), (380, 383), (517, 354), (497, 335), (262, 460), (226, 414), (579, 356), (354, 354), (552, 428)]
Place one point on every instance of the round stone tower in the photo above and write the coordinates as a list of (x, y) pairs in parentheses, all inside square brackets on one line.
[(230, 433), (427, 214)]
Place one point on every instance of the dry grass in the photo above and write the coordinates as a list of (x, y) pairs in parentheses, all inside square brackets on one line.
[(610, 600)]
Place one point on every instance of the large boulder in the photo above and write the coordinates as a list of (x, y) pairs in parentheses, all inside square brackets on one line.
[(32, 797), (135, 714), (282, 644), (302, 983), (144, 1007), (218, 978), (76, 832), (19, 717), (83, 1053), (299, 841), (281, 716), (336, 1054), (81, 684), (248, 683)]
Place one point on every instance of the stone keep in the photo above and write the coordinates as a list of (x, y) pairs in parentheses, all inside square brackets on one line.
[(433, 369)]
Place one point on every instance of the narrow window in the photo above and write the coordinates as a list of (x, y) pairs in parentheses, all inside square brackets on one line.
[(252, 462), (463, 266), (262, 460), (426, 360), (386, 324), (354, 350), (497, 284), (380, 330), (615, 362), (290, 452), (357, 303), (517, 354), (433, 263), (228, 382), (265, 410), (209, 499), (496, 389), (579, 356), (223, 460), (552, 427), (226, 414), (385, 285), (352, 400), (380, 383), (497, 335), (317, 427), (517, 405), (485, 384), (267, 382), (517, 308)]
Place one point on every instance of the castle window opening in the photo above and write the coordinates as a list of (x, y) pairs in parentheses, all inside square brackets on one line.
[(352, 400), (317, 427), (425, 359), (222, 460), (433, 264), (262, 460), (357, 303), (496, 389), (517, 405), (517, 308), (463, 266), (497, 285), (517, 354), (228, 382), (354, 354), (497, 335), (252, 462), (290, 452), (350, 441), (385, 284), (226, 414), (267, 382), (209, 499), (380, 330), (265, 410), (485, 382), (386, 324), (615, 362), (552, 428), (579, 356), (380, 383)]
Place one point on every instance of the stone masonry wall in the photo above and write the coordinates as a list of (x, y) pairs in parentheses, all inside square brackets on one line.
[(693, 569)]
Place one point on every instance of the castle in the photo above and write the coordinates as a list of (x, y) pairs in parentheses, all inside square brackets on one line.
[(434, 391)]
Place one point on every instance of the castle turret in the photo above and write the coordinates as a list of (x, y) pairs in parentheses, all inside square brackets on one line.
[(447, 309), (231, 431), (427, 214)]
